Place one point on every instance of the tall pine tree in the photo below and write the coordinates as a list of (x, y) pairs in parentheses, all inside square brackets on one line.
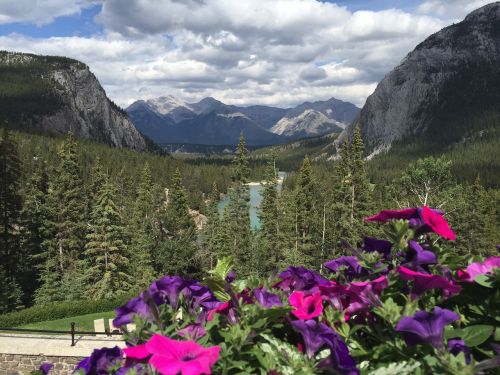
[(107, 271), (10, 204), (144, 230), (268, 256), (64, 229), (179, 233), (237, 213)]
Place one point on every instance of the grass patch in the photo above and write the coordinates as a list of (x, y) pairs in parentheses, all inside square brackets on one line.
[(83, 322)]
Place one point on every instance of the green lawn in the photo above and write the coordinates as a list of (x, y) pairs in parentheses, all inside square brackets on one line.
[(83, 322)]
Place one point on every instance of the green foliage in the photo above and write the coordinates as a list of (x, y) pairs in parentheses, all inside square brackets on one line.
[(10, 206), (107, 265), (236, 219), (59, 310)]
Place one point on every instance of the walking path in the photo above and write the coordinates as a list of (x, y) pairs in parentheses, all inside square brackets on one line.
[(48, 345)]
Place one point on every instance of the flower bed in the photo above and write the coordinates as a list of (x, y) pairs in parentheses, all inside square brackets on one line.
[(390, 307)]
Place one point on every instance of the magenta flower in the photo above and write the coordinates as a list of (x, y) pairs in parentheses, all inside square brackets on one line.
[(306, 306), (426, 327), (425, 281), (356, 297), (422, 219), (437, 223), (368, 293), (300, 278), (266, 299), (386, 215), (171, 357), (475, 269)]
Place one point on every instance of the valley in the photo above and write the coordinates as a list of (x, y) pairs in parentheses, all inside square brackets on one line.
[(275, 187)]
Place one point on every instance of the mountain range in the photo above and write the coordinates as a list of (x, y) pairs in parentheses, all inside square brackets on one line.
[(56, 95), (169, 120), (445, 92)]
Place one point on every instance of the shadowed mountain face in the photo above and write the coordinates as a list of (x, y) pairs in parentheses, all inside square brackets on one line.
[(168, 120), (441, 90), (57, 95)]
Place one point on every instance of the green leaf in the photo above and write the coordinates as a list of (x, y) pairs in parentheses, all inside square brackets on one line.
[(223, 267), (217, 286), (472, 335), (484, 280)]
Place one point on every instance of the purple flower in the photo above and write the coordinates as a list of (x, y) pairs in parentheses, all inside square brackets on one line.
[(192, 332), (100, 361), (46, 367), (426, 327), (457, 346), (316, 335), (313, 334), (351, 263), (199, 296), (417, 258), (267, 299), (300, 278), (231, 276), (383, 247), (168, 289), (136, 306), (340, 359)]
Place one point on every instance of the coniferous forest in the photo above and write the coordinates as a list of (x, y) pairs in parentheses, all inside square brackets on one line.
[(81, 221)]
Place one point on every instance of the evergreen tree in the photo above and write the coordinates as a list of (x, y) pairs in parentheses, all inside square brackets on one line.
[(237, 214), (473, 218), (211, 246), (143, 230), (178, 231), (10, 203), (34, 215), (97, 179), (268, 256), (340, 210), (306, 202), (107, 265), (361, 189), (65, 227)]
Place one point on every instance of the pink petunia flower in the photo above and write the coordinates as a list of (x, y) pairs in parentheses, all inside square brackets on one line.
[(306, 306), (475, 269), (425, 281), (171, 357), (437, 223), (356, 297), (386, 215)]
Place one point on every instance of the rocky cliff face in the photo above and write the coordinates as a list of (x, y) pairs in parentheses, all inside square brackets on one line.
[(78, 103), (456, 70)]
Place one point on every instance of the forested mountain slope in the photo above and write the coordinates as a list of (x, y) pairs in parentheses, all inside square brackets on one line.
[(57, 95)]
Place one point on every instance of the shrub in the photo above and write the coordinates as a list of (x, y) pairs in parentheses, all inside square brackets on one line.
[(398, 306), (59, 310)]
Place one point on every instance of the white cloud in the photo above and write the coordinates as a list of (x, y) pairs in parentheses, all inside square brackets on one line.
[(39, 12), (451, 9), (279, 52)]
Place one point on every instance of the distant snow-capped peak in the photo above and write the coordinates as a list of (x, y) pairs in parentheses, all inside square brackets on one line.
[(166, 104)]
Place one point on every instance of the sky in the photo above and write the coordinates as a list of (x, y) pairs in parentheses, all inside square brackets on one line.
[(242, 52)]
